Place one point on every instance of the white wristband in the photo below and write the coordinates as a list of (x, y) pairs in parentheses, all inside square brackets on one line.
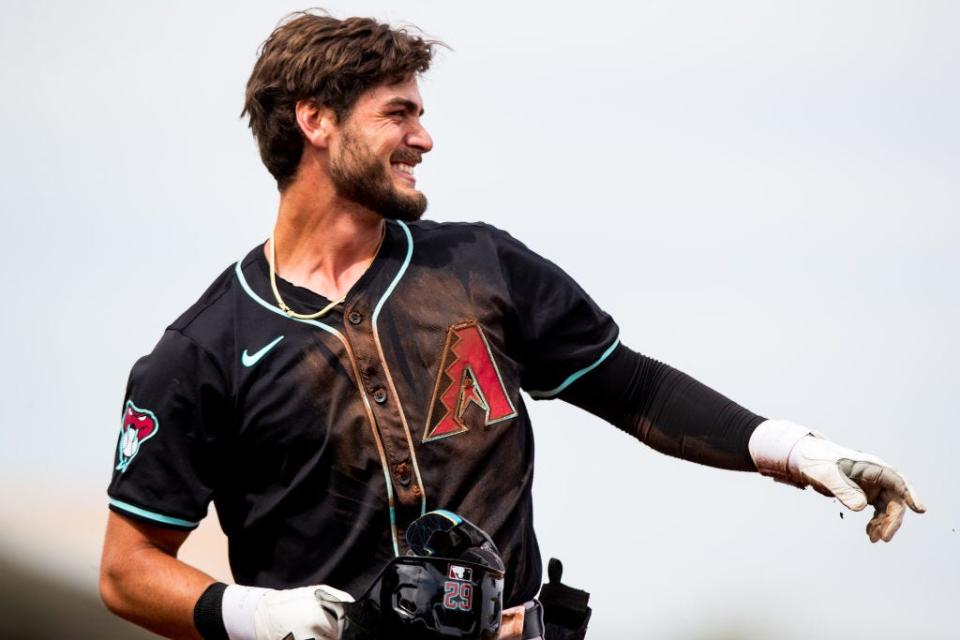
[(770, 446), (239, 608)]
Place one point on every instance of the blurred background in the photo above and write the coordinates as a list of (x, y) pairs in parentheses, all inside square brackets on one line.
[(764, 194)]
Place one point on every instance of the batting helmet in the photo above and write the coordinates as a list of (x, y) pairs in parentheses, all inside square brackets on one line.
[(450, 586)]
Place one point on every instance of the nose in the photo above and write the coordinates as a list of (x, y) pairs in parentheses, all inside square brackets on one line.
[(420, 139)]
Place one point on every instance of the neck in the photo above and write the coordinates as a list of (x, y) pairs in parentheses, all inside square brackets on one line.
[(323, 243)]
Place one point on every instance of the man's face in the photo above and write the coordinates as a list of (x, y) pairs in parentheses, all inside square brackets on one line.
[(373, 158)]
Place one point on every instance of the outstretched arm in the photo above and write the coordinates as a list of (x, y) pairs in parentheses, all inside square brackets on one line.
[(667, 410), (675, 414)]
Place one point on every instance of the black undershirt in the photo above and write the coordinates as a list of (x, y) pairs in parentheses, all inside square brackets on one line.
[(667, 410)]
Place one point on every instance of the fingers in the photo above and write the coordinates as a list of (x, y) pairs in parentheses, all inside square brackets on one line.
[(892, 480), (886, 489), (873, 526), (911, 498), (892, 519), (886, 519), (889, 479), (857, 479), (879, 477)]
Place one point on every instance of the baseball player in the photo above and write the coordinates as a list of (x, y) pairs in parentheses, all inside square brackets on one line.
[(364, 366)]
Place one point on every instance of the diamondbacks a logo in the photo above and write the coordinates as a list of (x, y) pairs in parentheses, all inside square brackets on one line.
[(468, 376), (138, 426)]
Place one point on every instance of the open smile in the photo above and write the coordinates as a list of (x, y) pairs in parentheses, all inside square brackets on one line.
[(403, 171)]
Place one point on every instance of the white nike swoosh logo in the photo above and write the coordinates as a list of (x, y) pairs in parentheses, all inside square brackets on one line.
[(250, 360)]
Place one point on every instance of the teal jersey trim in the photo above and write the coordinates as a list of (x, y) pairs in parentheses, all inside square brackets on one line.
[(573, 377), (396, 278), (150, 515), (316, 323), (269, 307)]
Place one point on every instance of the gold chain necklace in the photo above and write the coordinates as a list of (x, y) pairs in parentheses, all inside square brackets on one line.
[(276, 292)]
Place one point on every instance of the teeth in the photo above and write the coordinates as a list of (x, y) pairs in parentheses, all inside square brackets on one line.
[(406, 168)]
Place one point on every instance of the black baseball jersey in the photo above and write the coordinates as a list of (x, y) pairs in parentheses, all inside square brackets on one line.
[(320, 440)]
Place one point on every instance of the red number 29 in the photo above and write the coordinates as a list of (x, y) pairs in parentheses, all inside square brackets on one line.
[(458, 595)]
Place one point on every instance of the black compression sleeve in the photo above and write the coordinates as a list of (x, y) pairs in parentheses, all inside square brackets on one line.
[(667, 409), (208, 613)]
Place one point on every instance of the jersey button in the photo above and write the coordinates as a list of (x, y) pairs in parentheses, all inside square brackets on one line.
[(355, 317), (379, 395)]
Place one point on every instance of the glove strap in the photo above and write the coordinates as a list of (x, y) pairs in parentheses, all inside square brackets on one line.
[(770, 446), (240, 609)]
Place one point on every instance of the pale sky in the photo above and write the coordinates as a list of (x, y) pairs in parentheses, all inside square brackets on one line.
[(763, 194)]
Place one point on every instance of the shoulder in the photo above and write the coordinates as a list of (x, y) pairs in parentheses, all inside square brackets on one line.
[(462, 237), (209, 323), (434, 231), (211, 302), (192, 345)]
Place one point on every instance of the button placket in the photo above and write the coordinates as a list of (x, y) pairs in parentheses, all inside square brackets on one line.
[(403, 473), (359, 332)]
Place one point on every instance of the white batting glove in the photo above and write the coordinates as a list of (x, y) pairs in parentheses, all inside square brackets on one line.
[(306, 613), (796, 455)]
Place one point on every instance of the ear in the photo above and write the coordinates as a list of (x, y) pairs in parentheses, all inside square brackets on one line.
[(317, 123)]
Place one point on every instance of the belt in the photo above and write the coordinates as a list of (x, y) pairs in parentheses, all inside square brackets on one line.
[(523, 622)]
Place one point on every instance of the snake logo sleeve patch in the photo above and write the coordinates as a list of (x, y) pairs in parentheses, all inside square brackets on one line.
[(138, 426)]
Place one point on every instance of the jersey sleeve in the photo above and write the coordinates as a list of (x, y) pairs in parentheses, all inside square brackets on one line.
[(166, 458), (561, 334)]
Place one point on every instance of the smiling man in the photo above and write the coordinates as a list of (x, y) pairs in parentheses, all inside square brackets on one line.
[(363, 367)]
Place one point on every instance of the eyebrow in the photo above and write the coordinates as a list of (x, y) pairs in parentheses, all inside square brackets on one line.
[(409, 105)]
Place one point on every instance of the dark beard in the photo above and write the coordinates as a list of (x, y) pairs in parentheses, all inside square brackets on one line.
[(357, 175)]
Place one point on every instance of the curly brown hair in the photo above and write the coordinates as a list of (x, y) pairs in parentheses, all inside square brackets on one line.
[(316, 56)]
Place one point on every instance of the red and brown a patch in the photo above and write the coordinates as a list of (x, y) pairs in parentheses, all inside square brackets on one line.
[(469, 388)]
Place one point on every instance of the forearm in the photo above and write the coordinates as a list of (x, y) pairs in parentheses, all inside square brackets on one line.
[(668, 410), (149, 586)]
